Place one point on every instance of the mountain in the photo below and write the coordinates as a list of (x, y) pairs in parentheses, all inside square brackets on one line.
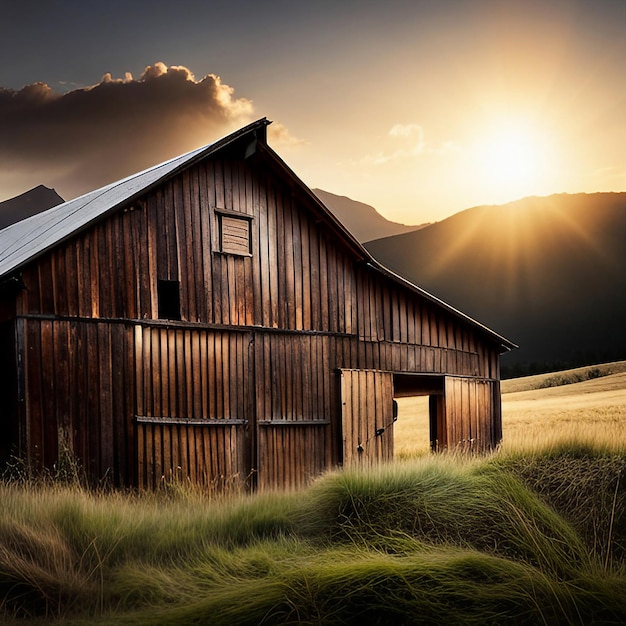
[(362, 220), (29, 203), (548, 273)]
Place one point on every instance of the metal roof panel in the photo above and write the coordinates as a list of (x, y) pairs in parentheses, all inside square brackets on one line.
[(32, 236)]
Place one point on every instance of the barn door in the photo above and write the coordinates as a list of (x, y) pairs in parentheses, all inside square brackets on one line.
[(193, 407), (366, 417), (472, 413)]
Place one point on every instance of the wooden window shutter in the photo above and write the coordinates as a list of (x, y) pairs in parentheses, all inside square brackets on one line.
[(235, 234)]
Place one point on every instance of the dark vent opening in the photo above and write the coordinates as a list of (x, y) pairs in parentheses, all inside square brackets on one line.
[(169, 299)]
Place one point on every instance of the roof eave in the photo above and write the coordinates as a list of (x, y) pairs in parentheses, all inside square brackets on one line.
[(505, 343)]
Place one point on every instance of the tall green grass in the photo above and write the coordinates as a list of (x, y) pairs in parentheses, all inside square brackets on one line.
[(586, 484), (505, 539)]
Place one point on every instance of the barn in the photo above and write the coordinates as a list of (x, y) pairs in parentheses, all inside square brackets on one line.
[(210, 319)]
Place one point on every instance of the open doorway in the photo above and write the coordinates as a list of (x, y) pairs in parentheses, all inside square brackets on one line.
[(420, 427)]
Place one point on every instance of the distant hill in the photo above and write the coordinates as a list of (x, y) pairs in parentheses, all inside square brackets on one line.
[(362, 220), (29, 203), (547, 273)]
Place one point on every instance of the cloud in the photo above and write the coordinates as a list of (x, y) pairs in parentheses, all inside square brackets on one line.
[(409, 142), (85, 138), (407, 130), (280, 137), (411, 137)]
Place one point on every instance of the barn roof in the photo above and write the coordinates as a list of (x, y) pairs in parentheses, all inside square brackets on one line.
[(29, 238), (25, 240)]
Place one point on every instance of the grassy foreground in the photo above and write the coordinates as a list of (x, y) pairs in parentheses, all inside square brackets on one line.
[(534, 534), (509, 539)]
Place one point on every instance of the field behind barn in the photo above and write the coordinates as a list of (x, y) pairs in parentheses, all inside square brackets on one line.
[(535, 533)]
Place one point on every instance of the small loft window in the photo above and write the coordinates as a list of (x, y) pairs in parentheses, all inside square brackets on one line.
[(235, 234), (168, 292)]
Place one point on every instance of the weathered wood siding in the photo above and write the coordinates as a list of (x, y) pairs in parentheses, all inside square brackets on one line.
[(78, 395), (299, 276), (295, 391), (244, 386)]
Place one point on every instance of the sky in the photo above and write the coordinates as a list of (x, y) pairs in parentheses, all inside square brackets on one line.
[(419, 108)]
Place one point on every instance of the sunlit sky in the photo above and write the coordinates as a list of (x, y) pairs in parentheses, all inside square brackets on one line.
[(420, 108)]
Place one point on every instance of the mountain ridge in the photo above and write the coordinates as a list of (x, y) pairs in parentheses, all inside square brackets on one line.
[(362, 220), (548, 273), (29, 203)]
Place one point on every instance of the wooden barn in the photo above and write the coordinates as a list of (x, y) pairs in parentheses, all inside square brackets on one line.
[(210, 319)]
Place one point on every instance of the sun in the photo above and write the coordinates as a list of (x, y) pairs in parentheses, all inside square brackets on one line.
[(512, 157)]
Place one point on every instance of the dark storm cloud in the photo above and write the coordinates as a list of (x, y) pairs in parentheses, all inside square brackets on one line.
[(87, 137)]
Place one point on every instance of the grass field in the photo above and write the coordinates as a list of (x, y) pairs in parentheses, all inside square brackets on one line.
[(532, 534)]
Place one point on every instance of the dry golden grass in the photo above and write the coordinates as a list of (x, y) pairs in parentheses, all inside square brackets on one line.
[(553, 379), (411, 431), (592, 411)]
